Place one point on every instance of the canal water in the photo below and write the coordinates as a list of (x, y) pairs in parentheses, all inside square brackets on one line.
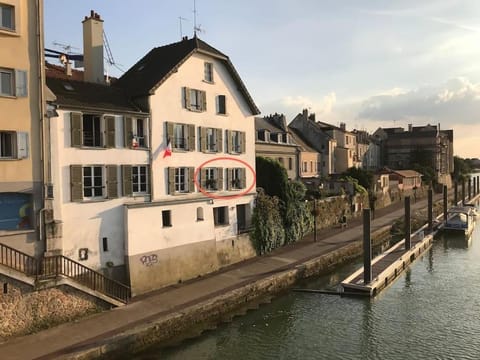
[(432, 311)]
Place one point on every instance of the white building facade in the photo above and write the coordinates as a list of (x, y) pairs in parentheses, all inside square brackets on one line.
[(203, 193)]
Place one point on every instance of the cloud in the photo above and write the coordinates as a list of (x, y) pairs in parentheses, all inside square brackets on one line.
[(455, 102), (322, 107)]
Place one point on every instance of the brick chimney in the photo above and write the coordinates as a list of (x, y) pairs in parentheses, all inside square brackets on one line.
[(93, 48)]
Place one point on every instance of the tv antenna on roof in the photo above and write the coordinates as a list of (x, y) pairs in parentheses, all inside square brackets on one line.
[(67, 48), (195, 27)]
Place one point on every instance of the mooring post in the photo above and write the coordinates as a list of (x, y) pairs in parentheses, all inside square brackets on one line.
[(408, 227), (455, 192), (430, 209), (474, 186), (478, 184), (367, 248), (463, 192), (445, 202)]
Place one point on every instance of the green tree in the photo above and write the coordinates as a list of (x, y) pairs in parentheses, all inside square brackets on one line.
[(297, 218), (461, 168), (271, 176), (364, 177)]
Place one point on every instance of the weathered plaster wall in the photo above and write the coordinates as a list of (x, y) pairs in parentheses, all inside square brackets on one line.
[(24, 310)]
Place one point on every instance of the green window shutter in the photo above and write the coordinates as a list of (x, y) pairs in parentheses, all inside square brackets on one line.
[(243, 178), (110, 129), (186, 96), (191, 183), (171, 180), (76, 182), (203, 178), (112, 182), (229, 179), (191, 137), (204, 101), (170, 134), (220, 178), (76, 129), (127, 131), (242, 142), (203, 139), (228, 134), (127, 180), (219, 140)]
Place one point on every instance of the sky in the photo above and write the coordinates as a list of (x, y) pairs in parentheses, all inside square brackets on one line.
[(369, 64)]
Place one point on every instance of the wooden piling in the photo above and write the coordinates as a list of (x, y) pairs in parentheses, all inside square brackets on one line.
[(455, 193), (430, 210), (367, 248), (445, 199), (408, 226)]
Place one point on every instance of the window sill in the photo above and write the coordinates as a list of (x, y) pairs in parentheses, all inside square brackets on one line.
[(92, 147), (208, 82), (8, 96), (166, 226), (89, 201), (222, 114), (221, 225), (9, 32), (9, 159)]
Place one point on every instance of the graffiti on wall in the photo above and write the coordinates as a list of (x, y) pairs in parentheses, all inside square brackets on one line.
[(15, 211), (149, 260)]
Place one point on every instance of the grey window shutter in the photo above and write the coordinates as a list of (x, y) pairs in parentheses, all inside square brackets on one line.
[(220, 178), (76, 129), (204, 101), (219, 140), (21, 89), (76, 182), (191, 183), (171, 180), (127, 131), (110, 129), (203, 139), (22, 145), (229, 179), (186, 96), (228, 134), (203, 178), (243, 178), (127, 180), (191, 137), (242, 142), (170, 134), (112, 182)]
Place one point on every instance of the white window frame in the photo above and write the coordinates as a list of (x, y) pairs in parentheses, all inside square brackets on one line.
[(92, 177), (211, 140), (141, 138), (137, 179), (101, 130), (196, 100), (17, 82), (208, 72), (236, 178), (237, 142), (180, 136), (17, 147), (3, 9), (211, 174), (181, 180)]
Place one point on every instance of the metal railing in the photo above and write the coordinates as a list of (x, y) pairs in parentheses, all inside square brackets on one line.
[(59, 265), (18, 260)]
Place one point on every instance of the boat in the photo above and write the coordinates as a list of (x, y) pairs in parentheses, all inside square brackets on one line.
[(460, 219)]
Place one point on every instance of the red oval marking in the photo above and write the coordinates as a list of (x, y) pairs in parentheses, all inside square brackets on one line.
[(224, 197)]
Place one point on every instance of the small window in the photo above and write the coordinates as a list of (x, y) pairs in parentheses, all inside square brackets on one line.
[(236, 141), (7, 17), (93, 182), (211, 139), (6, 82), (281, 161), (200, 214), (181, 180), (140, 133), (211, 178), (208, 69), (166, 218), (236, 178), (13, 82), (13, 145), (220, 215), (221, 105), (105, 244), (92, 131), (195, 100), (290, 163)]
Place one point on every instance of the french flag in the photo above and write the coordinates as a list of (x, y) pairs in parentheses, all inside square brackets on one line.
[(168, 149)]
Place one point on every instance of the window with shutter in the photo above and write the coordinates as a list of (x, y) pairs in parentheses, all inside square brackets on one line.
[(76, 129), (191, 183), (22, 145), (76, 184), (208, 72), (7, 82), (191, 137), (112, 183), (110, 128), (171, 173), (127, 180), (219, 140), (127, 131), (7, 17), (7, 144), (21, 89), (140, 179)]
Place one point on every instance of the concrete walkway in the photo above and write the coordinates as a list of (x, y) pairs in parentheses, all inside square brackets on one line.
[(64, 340)]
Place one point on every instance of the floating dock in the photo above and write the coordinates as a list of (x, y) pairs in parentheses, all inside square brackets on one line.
[(387, 266)]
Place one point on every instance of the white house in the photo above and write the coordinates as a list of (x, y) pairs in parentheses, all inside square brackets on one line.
[(203, 193)]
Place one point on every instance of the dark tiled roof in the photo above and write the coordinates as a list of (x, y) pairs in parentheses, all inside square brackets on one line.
[(155, 67), (262, 124), (79, 94)]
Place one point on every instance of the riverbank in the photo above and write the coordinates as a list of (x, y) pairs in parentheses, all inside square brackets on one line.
[(197, 304)]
